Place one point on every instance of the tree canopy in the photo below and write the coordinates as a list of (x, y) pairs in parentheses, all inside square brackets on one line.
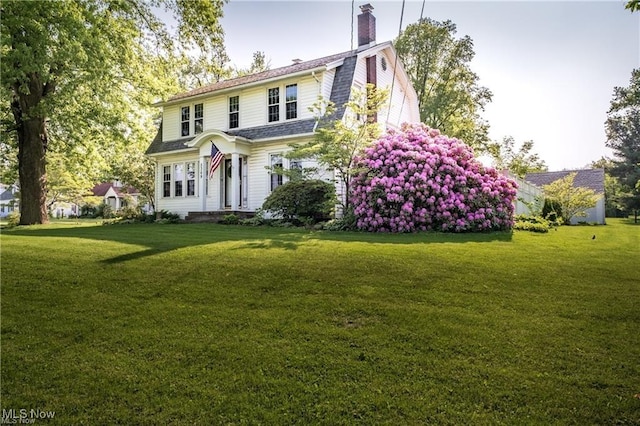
[(573, 201), (623, 137), (449, 95), (518, 161), (77, 78)]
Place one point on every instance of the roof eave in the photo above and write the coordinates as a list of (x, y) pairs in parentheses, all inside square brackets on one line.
[(241, 86)]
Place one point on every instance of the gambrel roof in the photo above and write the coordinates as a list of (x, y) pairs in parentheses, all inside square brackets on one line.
[(340, 92), (588, 178), (263, 76)]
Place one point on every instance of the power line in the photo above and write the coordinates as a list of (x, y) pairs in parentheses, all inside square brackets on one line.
[(395, 64)]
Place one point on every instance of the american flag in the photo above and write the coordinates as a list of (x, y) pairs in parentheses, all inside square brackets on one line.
[(216, 158)]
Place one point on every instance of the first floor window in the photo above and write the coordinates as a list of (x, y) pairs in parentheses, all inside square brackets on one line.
[(177, 180), (191, 179), (276, 168), (166, 181)]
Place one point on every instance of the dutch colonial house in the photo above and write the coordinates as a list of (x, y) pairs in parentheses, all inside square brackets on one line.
[(251, 121)]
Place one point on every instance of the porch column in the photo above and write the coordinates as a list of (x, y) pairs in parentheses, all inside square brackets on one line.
[(204, 181), (235, 181)]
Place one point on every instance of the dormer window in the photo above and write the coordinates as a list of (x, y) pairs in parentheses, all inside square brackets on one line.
[(274, 104), (185, 123), (198, 122), (234, 112), (291, 101), (185, 120)]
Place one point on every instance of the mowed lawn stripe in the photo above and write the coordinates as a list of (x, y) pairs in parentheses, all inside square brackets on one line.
[(209, 324)]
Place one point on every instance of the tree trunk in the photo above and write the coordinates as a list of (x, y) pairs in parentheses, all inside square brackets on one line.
[(32, 146), (32, 172)]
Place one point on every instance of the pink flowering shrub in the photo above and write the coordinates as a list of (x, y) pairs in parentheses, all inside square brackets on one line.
[(419, 180)]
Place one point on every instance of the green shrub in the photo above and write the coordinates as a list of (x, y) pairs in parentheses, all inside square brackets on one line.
[(532, 223), (13, 218), (256, 220), (302, 200), (552, 210), (164, 216), (131, 213), (230, 219), (346, 223)]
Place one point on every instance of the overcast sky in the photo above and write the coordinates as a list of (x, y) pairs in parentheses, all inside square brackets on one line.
[(551, 66)]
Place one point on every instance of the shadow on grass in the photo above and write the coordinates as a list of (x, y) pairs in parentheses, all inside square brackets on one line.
[(160, 239)]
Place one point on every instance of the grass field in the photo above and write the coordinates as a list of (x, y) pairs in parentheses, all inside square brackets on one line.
[(212, 324)]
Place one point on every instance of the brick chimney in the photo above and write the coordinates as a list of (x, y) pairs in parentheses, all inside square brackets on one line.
[(366, 26)]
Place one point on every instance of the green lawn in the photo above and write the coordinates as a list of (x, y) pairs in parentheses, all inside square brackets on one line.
[(212, 324)]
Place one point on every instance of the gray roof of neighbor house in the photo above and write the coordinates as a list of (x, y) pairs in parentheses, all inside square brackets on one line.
[(588, 178), (340, 92), (6, 195)]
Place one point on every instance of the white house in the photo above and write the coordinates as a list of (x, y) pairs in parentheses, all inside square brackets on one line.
[(116, 195), (252, 121), (8, 202)]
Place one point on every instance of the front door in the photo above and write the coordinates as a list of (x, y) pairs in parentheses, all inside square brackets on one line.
[(228, 182)]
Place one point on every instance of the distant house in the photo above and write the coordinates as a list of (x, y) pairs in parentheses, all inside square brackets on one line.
[(116, 195), (588, 178), (8, 202), (247, 124)]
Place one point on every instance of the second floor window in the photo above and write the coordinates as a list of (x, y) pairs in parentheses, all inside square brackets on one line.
[(184, 120), (234, 112), (291, 101), (274, 104), (198, 118)]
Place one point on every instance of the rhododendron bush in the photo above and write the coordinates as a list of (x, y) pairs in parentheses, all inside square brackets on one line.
[(418, 179)]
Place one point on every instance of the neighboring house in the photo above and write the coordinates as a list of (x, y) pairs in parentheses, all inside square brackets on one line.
[(116, 195), (8, 202), (589, 178), (252, 120)]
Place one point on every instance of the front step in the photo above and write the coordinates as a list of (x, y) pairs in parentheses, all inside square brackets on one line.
[(216, 216)]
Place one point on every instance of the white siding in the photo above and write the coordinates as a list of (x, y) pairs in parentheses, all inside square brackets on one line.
[(215, 113), (184, 204), (171, 123), (327, 83), (253, 107)]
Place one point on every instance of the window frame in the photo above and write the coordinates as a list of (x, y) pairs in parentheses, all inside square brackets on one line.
[(293, 102), (185, 111), (234, 113), (191, 118), (198, 118), (184, 187), (273, 116)]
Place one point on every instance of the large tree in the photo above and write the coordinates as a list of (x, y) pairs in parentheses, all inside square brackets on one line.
[(449, 94), (74, 73), (623, 137)]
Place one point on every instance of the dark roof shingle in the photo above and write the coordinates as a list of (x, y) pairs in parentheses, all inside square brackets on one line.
[(588, 178), (265, 75)]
